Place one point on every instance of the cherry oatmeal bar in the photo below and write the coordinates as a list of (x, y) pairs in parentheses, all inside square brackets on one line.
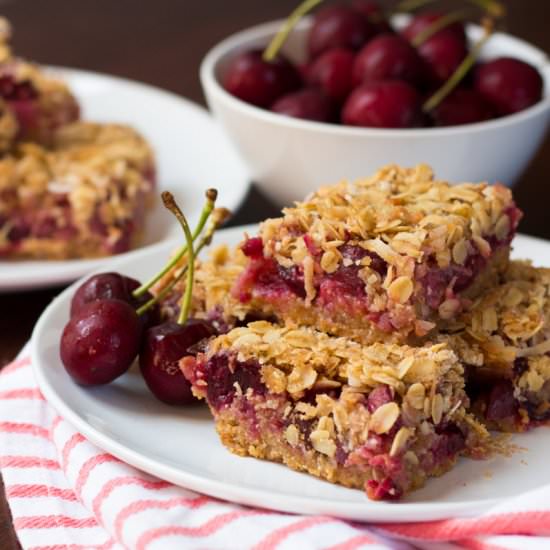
[(381, 259), (40, 102), (84, 197), (382, 417), (504, 342)]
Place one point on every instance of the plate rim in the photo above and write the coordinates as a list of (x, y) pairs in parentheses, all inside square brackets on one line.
[(59, 277), (381, 512)]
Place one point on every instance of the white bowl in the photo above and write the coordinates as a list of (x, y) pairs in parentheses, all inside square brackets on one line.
[(289, 157)]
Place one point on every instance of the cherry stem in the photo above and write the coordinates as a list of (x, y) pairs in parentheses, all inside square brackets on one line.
[(170, 204), (457, 76), (438, 25), (279, 39), (410, 5), (211, 195), (492, 7), (219, 216)]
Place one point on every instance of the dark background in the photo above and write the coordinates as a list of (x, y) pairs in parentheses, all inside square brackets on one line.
[(161, 42)]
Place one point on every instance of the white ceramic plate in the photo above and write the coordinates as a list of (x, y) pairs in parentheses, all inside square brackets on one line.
[(181, 446), (192, 154)]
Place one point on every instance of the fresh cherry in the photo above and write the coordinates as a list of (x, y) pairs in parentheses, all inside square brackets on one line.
[(103, 286), (384, 104), (114, 286), (388, 57), (373, 13), (463, 106), (332, 72), (338, 26), (259, 82), (161, 351), (309, 104), (419, 23), (443, 53), (100, 342), (164, 345), (509, 84)]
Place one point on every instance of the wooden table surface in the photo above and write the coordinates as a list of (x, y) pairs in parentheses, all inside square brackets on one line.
[(162, 42)]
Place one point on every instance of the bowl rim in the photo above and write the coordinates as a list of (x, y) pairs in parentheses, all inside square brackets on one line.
[(240, 39)]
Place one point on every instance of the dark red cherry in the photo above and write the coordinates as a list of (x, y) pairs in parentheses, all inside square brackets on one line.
[(462, 106), (103, 286), (260, 82), (331, 72), (373, 13), (114, 286), (338, 26), (388, 57), (161, 351), (419, 23), (100, 342), (443, 53), (385, 104), (510, 85), (309, 104)]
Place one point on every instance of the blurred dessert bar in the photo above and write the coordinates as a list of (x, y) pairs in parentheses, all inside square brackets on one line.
[(84, 196), (41, 103)]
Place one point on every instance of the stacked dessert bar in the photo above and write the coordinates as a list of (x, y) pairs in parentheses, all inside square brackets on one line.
[(504, 342), (382, 417), (394, 331), (68, 189)]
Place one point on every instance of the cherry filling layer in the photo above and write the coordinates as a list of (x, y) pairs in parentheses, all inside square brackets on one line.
[(33, 222), (497, 400), (343, 291), (226, 376), (501, 407)]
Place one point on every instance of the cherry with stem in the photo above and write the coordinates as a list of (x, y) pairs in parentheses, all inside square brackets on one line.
[(459, 73), (166, 344)]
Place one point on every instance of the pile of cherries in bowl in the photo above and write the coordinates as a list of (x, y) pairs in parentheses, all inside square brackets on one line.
[(361, 71)]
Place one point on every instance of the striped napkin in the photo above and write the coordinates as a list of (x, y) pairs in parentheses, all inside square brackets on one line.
[(66, 494)]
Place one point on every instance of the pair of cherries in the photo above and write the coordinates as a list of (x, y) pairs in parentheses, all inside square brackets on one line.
[(105, 335), (361, 72)]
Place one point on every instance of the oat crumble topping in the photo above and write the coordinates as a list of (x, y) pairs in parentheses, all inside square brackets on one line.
[(401, 214)]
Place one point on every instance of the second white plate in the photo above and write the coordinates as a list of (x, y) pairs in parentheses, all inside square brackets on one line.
[(192, 154), (181, 446)]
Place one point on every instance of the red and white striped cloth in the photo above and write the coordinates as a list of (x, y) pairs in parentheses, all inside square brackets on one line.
[(66, 494)]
